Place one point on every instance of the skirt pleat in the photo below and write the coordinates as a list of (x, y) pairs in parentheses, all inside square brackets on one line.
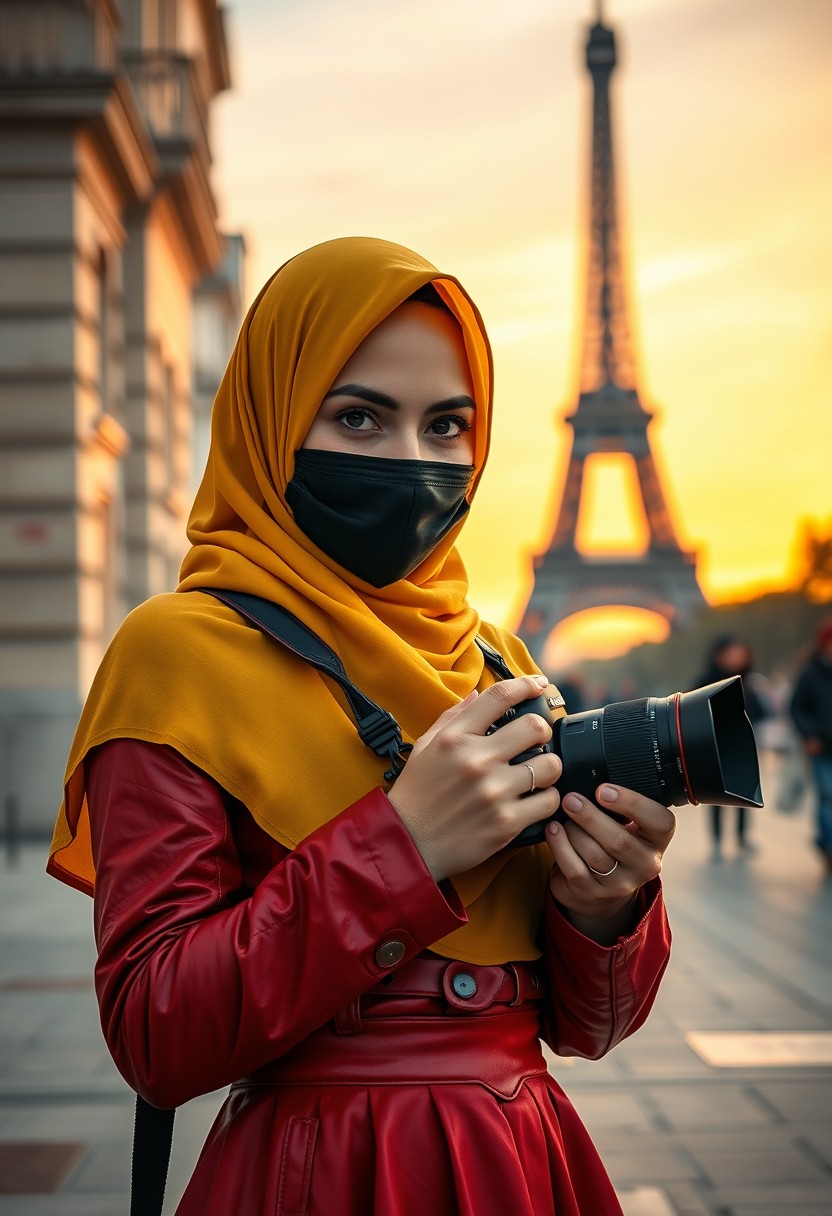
[(296, 1147)]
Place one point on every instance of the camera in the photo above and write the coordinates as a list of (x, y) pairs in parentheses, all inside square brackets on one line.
[(687, 748)]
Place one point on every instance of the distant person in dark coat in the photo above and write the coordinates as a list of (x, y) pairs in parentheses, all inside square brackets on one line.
[(731, 656), (811, 711)]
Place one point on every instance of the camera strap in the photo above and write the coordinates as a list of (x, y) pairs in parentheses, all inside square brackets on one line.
[(379, 730), (377, 727), (495, 660)]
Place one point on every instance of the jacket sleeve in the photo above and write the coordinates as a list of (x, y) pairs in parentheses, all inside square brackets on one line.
[(602, 994), (200, 982)]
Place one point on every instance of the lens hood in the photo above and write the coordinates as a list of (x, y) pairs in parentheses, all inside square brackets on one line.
[(688, 748)]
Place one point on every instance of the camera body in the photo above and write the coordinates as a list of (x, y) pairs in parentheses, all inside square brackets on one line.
[(683, 749)]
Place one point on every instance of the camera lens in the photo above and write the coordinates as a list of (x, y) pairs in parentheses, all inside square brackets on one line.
[(690, 747)]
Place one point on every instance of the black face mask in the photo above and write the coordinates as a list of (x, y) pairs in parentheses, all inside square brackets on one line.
[(377, 518)]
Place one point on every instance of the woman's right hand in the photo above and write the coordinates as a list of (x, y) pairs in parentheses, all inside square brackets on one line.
[(459, 797)]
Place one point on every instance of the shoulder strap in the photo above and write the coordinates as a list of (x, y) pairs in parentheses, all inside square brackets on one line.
[(152, 1139), (377, 728), (495, 660)]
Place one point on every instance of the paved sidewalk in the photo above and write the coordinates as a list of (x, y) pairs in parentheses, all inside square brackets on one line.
[(680, 1136)]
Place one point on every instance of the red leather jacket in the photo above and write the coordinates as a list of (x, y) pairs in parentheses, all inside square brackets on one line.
[(219, 950)]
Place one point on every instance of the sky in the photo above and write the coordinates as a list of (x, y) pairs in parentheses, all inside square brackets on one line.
[(461, 128)]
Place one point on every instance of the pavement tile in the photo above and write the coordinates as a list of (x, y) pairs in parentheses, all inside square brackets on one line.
[(816, 1140), (821, 1208), (609, 1108), (711, 1018), (765, 1158), (763, 1050), (686, 1200), (64, 1204), (88, 1121), (807, 1099), (648, 1057), (786, 1018), (68, 1064), (661, 1163), (37, 1167), (689, 1106), (646, 1201), (104, 1170), (783, 1197)]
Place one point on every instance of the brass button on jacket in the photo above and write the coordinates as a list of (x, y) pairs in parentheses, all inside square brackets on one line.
[(390, 953)]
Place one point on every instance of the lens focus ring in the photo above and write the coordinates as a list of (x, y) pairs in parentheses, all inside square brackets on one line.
[(631, 747)]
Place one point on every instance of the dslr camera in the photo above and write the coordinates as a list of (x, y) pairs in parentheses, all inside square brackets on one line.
[(680, 750)]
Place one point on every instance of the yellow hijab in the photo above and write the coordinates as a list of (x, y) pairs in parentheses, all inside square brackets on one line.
[(187, 671)]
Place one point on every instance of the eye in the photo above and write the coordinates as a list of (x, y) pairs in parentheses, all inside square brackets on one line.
[(355, 419), (450, 426)]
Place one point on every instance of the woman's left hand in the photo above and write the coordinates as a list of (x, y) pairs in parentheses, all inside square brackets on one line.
[(601, 864)]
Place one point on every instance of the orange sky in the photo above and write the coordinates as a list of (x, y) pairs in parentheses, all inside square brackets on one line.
[(461, 128)]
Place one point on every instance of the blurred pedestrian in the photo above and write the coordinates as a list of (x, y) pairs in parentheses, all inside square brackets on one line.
[(779, 737), (732, 656), (811, 711)]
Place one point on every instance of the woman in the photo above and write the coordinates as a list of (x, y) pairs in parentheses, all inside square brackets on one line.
[(364, 961)]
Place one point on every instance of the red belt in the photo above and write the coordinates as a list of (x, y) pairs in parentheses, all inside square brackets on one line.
[(463, 986), (423, 1042)]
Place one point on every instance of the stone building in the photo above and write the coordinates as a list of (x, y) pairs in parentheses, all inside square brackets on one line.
[(108, 238)]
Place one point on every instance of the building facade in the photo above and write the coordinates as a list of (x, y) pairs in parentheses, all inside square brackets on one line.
[(108, 232)]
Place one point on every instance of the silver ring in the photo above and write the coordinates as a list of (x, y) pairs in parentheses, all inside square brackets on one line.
[(533, 785), (598, 873)]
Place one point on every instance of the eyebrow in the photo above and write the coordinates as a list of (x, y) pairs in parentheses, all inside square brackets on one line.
[(374, 397)]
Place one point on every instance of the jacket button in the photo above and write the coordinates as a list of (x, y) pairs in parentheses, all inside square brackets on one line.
[(390, 953), (464, 985)]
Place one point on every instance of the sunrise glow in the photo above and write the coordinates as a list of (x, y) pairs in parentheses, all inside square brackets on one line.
[(461, 128)]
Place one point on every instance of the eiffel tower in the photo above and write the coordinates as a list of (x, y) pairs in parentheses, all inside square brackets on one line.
[(609, 417)]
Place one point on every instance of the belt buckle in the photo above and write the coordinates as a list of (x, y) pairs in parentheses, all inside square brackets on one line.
[(470, 989)]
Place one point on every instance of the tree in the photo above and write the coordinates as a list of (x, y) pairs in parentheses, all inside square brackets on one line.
[(815, 562)]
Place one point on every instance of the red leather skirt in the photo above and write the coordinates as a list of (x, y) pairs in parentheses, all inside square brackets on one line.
[(430, 1094)]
